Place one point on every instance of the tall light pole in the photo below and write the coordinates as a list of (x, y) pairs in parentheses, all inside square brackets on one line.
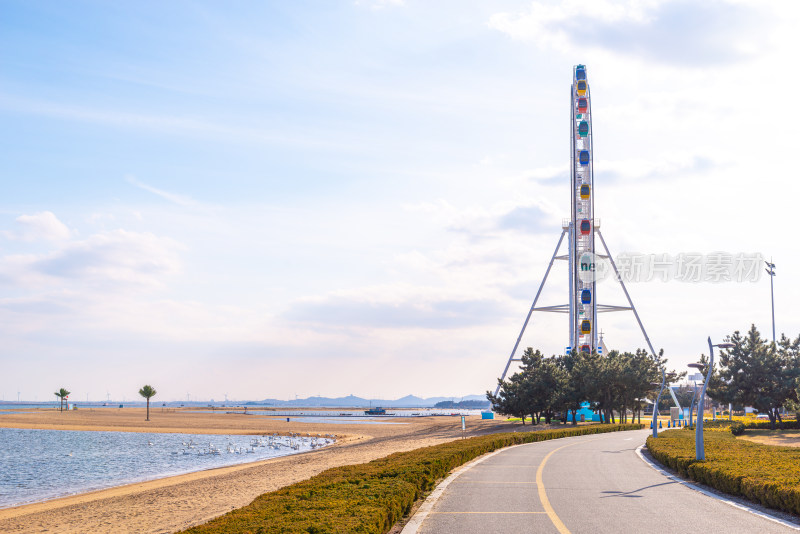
[(699, 446), (660, 386), (658, 401), (691, 406), (771, 272)]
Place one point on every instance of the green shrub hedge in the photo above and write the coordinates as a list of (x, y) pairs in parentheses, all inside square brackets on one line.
[(734, 427), (371, 497), (788, 424), (738, 425), (749, 422), (766, 474)]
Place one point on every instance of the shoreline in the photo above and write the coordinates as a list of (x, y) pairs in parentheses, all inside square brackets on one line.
[(176, 502), (133, 487), (167, 477)]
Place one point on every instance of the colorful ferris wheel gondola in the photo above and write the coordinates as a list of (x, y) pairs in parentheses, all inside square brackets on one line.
[(586, 191), (583, 157)]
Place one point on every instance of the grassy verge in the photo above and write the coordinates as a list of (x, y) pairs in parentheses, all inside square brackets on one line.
[(371, 497), (766, 474)]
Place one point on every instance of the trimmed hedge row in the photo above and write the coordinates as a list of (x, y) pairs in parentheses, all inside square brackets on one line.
[(766, 474), (371, 497), (734, 427), (788, 424)]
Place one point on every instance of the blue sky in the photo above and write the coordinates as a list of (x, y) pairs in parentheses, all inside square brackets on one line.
[(277, 198)]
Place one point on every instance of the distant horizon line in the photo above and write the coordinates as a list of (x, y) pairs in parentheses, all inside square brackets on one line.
[(436, 398)]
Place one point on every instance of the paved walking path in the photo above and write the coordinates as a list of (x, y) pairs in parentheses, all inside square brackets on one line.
[(592, 484)]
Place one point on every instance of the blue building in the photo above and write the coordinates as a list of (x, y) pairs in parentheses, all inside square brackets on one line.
[(585, 412)]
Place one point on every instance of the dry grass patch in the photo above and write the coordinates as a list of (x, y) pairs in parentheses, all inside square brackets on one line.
[(783, 438)]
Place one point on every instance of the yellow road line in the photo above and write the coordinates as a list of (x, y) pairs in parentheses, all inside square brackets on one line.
[(526, 513), (490, 482), (562, 529), (504, 465)]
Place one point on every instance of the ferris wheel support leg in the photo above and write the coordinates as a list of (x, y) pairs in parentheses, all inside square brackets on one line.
[(633, 308), (530, 312)]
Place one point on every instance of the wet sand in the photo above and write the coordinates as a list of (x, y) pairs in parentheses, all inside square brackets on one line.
[(174, 503)]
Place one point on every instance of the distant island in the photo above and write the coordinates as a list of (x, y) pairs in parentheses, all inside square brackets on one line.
[(463, 405)]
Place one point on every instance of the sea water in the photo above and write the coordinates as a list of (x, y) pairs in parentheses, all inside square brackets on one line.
[(340, 420), (37, 465), (325, 417)]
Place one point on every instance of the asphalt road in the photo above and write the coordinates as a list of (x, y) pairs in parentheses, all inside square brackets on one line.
[(592, 484)]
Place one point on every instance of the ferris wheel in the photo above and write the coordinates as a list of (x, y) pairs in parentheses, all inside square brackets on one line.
[(582, 290)]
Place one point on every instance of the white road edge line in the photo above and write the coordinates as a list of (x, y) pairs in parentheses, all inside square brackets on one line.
[(413, 525), (712, 495)]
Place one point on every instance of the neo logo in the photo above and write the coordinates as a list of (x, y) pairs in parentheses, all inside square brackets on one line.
[(592, 268)]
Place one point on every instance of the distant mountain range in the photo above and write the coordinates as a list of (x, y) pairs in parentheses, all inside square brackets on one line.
[(351, 401)]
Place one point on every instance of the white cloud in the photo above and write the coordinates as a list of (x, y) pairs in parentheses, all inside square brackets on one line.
[(417, 309), (528, 214), (114, 259), (549, 173), (181, 200), (671, 31), (541, 24), (39, 226), (667, 168)]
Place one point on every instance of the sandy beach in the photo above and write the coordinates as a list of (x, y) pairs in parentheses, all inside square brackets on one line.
[(174, 503)]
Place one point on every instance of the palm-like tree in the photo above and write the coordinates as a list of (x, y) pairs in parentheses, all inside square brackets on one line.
[(61, 394), (147, 392)]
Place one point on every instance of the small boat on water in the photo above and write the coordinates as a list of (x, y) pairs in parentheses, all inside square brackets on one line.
[(375, 411)]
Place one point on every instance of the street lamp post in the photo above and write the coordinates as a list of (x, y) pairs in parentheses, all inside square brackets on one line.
[(658, 401), (699, 446), (771, 272), (691, 406)]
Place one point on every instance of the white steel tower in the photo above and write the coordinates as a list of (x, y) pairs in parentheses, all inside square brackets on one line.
[(584, 265)]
